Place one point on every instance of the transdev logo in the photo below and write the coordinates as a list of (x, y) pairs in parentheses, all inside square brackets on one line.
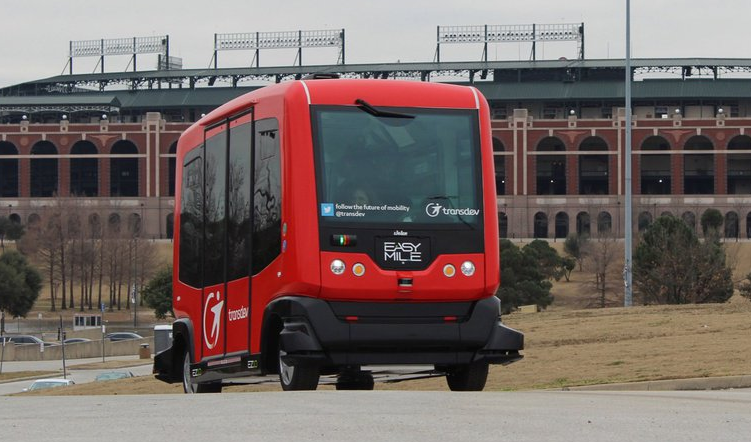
[(327, 209)]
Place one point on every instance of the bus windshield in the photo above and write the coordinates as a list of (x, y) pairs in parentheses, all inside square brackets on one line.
[(397, 165)]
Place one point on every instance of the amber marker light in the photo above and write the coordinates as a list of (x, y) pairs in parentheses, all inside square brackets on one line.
[(358, 269), (449, 270)]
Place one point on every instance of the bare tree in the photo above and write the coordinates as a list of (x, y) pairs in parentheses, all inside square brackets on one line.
[(603, 254)]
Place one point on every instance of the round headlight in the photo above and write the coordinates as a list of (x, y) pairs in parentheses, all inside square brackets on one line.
[(337, 266), (468, 268), (358, 269), (449, 270)]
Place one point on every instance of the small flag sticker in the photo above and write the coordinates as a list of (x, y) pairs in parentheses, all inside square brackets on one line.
[(327, 209)]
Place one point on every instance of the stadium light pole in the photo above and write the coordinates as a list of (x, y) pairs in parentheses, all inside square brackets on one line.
[(627, 269)]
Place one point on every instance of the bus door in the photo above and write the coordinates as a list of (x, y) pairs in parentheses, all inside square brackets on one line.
[(239, 214), (227, 237), (214, 295)]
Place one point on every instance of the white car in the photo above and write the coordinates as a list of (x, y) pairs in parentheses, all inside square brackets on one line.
[(41, 384)]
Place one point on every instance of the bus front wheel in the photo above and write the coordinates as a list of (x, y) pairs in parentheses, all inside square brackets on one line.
[(297, 377), (469, 377)]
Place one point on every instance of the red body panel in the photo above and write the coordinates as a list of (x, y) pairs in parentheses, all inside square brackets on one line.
[(301, 268)]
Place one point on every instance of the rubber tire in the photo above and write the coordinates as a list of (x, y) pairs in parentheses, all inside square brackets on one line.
[(469, 377), (297, 377), (355, 381), (192, 388)]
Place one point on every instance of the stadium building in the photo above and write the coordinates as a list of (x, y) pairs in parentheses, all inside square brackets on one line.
[(558, 134)]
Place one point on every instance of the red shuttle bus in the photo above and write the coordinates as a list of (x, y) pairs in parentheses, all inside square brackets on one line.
[(326, 225)]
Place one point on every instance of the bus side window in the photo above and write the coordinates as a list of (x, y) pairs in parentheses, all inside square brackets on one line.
[(191, 220), (267, 197)]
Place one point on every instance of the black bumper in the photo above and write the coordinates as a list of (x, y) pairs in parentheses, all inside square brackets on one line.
[(356, 333)]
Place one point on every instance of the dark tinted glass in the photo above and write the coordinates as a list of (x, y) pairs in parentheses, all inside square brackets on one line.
[(238, 202), (267, 196), (215, 181), (191, 220)]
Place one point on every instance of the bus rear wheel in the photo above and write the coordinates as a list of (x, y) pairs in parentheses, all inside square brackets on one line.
[(190, 387), (297, 377), (469, 377)]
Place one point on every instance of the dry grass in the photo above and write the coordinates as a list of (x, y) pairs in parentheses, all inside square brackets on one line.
[(568, 346), (579, 347)]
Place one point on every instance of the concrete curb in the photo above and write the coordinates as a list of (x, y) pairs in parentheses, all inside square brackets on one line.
[(709, 383)]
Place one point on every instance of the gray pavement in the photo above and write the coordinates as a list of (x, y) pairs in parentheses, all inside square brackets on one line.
[(332, 416)]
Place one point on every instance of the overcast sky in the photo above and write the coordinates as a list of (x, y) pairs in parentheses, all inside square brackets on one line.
[(35, 34)]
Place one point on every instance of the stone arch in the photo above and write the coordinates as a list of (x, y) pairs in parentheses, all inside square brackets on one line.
[(44, 171), (698, 169), (124, 171), (500, 167), (739, 166), (689, 218), (732, 225), (604, 223), (644, 220), (594, 169), (15, 218), (551, 169), (171, 168), (8, 170), (561, 225), (583, 224), (84, 172), (541, 225), (655, 173), (170, 228)]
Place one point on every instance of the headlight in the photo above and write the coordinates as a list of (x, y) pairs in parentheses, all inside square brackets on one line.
[(468, 268), (337, 266)]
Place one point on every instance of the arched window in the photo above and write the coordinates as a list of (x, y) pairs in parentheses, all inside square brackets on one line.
[(84, 172), (593, 169), (15, 218), (171, 225), (604, 223), (732, 225), (134, 225), (698, 169), (690, 219), (43, 178), (551, 169), (739, 166), (113, 224), (655, 168), (561, 225), (644, 221), (541, 225), (124, 171), (171, 162), (500, 167), (583, 227), (8, 170)]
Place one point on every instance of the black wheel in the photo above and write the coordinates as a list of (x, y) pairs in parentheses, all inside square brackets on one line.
[(360, 380), (191, 387), (297, 377), (470, 377)]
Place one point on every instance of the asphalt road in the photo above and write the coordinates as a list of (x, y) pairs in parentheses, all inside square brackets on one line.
[(330, 416)]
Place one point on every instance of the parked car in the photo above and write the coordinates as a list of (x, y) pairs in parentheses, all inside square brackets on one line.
[(24, 339), (41, 384), (75, 340), (112, 375), (122, 336)]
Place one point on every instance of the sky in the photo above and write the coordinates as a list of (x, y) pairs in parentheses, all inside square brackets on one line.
[(35, 35)]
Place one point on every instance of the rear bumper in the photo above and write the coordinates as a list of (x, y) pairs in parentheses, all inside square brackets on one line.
[(348, 333)]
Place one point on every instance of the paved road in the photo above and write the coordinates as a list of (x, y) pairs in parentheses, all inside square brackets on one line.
[(383, 416)]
